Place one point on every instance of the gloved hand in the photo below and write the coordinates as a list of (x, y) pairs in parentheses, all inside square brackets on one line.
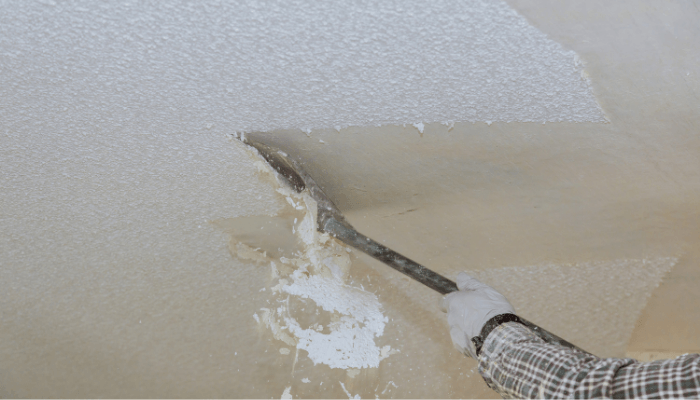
[(469, 309)]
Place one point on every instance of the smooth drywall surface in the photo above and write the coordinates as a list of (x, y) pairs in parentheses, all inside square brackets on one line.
[(250, 66)]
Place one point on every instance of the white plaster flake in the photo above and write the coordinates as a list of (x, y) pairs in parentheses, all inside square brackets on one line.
[(318, 275)]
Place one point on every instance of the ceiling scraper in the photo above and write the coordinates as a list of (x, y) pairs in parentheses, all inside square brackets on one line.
[(332, 222)]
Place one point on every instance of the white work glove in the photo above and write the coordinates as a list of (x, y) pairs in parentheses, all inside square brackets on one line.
[(469, 309)]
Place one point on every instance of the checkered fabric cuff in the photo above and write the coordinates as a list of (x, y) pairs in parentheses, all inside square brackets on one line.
[(516, 363)]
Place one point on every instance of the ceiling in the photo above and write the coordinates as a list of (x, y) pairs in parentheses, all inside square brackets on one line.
[(538, 144)]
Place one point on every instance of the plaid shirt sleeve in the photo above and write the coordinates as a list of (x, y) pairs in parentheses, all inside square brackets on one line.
[(516, 363)]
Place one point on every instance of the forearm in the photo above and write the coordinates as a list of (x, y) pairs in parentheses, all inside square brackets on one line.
[(516, 363)]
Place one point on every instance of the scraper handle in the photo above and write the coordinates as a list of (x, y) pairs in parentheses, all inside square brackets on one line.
[(405, 265), (348, 235)]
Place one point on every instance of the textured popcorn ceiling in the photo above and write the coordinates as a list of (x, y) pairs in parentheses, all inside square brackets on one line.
[(116, 157), (258, 66)]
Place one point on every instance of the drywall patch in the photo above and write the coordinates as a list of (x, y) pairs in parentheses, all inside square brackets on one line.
[(588, 297), (258, 66)]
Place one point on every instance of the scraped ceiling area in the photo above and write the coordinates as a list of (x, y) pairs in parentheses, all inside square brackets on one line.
[(532, 143)]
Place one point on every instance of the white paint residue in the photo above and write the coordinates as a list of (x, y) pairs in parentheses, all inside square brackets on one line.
[(287, 394), (420, 126), (350, 343), (346, 320), (387, 386), (305, 380), (351, 397), (386, 352)]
